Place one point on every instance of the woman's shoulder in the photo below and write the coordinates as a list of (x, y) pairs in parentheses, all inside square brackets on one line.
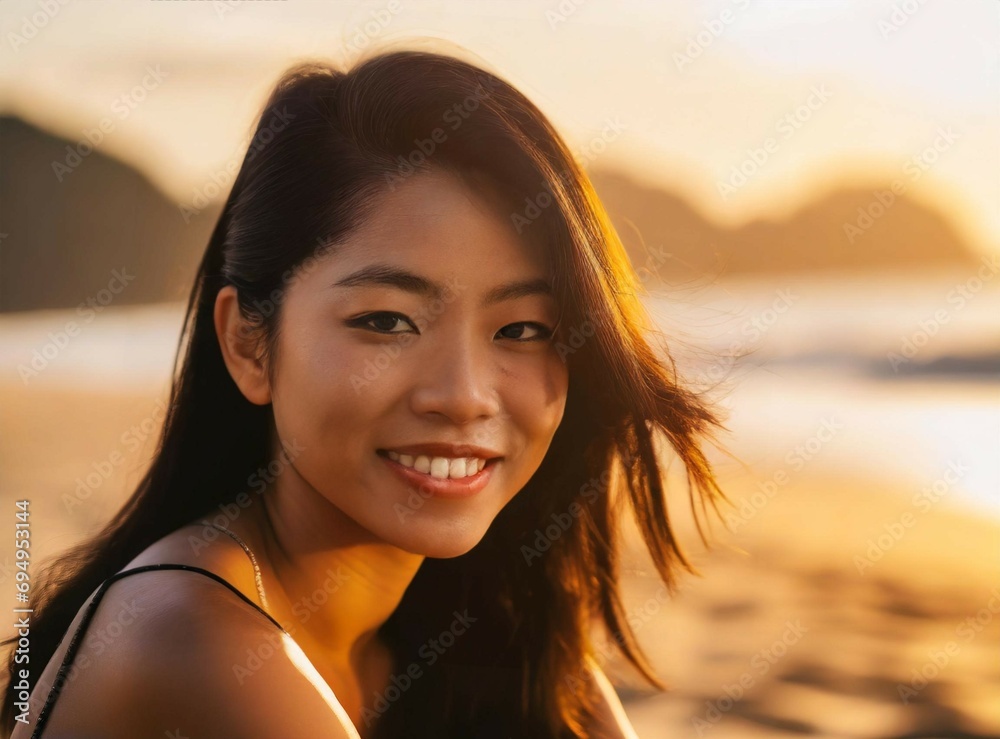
[(171, 650), (197, 545), (196, 558)]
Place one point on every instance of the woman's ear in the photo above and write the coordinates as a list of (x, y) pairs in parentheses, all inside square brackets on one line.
[(238, 342)]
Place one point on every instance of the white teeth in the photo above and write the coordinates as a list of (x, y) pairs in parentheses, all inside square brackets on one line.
[(440, 467)]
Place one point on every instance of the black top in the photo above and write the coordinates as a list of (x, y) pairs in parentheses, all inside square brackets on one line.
[(50, 700)]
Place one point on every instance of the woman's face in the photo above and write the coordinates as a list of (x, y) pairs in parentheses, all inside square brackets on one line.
[(371, 361)]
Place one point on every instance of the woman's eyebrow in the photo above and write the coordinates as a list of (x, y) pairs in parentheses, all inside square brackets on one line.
[(384, 274)]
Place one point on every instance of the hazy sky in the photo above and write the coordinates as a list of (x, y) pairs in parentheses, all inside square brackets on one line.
[(869, 85)]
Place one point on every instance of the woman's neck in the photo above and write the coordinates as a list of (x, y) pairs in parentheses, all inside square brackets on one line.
[(329, 581)]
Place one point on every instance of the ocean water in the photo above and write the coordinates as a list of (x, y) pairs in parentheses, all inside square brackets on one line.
[(894, 377)]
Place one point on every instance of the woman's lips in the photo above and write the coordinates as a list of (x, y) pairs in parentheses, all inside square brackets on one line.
[(441, 488)]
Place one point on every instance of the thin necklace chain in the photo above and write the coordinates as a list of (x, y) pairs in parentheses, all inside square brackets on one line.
[(256, 568)]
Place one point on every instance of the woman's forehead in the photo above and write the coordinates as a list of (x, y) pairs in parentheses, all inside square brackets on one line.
[(437, 215)]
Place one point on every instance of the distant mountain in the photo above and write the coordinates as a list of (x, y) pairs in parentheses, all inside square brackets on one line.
[(845, 230), (71, 220), (96, 231)]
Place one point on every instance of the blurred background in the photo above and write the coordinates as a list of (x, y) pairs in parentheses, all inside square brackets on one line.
[(809, 191)]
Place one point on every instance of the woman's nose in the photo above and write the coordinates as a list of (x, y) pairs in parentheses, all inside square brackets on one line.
[(458, 381)]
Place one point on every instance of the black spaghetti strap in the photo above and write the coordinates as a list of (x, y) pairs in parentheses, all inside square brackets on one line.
[(57, 685)]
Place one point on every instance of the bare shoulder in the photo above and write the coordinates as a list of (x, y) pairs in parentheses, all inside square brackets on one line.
[(613, 723), (190, 658), (200, 546), (205, 548)]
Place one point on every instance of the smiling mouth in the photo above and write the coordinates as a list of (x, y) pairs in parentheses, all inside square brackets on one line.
[(440, 468)]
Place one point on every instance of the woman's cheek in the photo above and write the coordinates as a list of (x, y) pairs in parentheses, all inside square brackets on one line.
[(551, 383), (538, 416)]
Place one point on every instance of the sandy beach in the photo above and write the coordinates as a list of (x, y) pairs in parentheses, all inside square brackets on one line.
[(823, 613), (826, 615)]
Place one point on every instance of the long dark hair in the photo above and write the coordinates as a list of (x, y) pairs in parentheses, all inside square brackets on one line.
[(327, 142)]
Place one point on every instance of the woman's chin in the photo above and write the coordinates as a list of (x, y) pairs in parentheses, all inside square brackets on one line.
[(442, 544), (447, 551)]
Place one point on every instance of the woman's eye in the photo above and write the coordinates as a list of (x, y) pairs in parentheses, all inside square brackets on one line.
[(382, 322), (542, 332)]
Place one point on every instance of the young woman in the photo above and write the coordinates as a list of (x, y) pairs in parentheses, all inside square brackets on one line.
[(417, 382)]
